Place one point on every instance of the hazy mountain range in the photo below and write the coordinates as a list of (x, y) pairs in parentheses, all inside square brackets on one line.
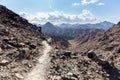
[(102, 25), (71, 31)]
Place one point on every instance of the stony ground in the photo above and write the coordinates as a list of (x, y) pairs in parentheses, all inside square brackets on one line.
[(78, 66), (18, 52)]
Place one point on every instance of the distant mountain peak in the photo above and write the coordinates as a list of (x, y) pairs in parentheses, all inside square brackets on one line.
[(49, 28), (107, 22), (49, 24)]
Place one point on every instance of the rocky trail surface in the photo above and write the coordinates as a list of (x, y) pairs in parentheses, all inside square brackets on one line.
[(39, 72)]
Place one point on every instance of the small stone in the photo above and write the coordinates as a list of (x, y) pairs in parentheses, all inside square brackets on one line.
[(22, 44), (19, 76), (0, 51), (69, 74), (4, 62)]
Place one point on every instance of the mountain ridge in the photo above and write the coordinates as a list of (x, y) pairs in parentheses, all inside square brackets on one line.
[(102, 25), (67, 33)]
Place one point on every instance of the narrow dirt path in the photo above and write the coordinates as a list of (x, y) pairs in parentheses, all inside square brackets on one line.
[(39, 72)]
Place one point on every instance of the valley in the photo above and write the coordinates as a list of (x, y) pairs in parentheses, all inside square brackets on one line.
[(57, 52)]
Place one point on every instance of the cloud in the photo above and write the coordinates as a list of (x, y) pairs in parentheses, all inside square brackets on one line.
[(100, 4), (58, 17), (76, 4), (86, 2)]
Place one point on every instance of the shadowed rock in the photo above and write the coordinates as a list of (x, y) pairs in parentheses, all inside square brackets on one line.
[(109, 68)]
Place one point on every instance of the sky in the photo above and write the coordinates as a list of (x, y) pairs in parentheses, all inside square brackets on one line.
[(65, 11)]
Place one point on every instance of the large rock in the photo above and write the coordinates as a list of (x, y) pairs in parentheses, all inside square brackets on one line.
[(65, 55)]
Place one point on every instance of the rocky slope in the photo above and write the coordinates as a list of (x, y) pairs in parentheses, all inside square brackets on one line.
[(97, 58), (89, 35), (20, 45)]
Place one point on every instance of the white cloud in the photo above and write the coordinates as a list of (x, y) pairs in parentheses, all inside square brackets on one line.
[(100, 4), (76, 4), (86, 2), (57, 17)]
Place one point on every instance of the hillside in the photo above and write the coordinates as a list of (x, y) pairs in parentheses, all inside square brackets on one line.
[(20, 45), (95, 57), (110, 37)]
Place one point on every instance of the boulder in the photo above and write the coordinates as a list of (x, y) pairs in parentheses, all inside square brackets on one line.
[(32, 46), (95, 58), (91, 55)]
